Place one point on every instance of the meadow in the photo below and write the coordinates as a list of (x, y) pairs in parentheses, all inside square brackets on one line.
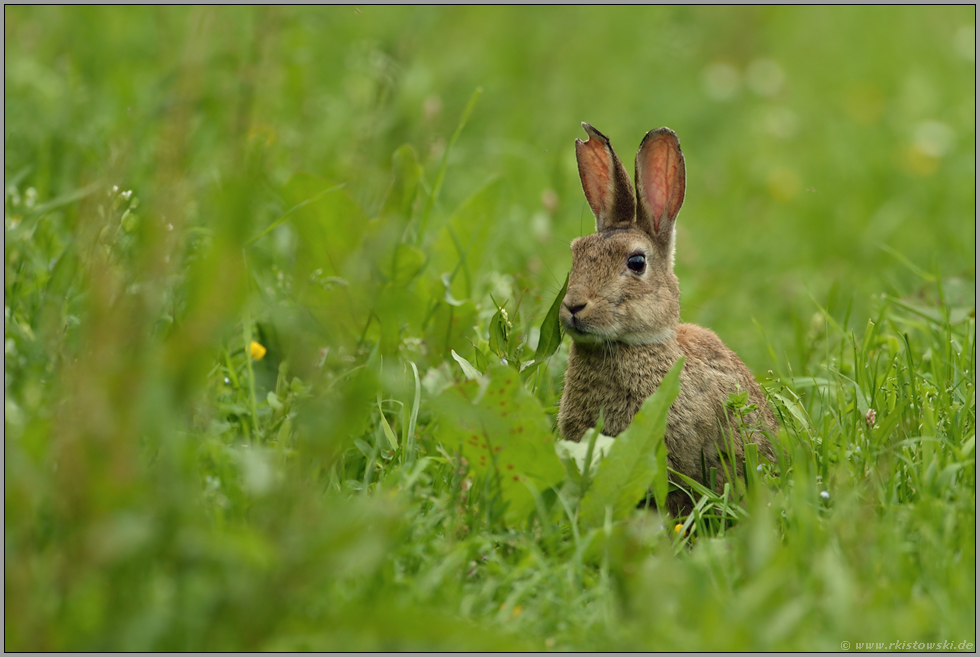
[(267, 271)]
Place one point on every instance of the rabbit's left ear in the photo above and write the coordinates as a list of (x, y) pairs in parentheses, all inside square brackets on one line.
[(660, 183), (606, 184)]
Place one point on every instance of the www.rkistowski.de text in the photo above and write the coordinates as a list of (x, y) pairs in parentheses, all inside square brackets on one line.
[(907, 645)]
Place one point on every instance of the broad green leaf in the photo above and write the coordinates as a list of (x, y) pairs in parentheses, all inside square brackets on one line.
[(503, 433), (471, 372), (794, 410), (636, 460), (482, 362), (550, 334)]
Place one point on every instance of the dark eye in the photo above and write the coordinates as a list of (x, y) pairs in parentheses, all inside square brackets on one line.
[(636, 262)]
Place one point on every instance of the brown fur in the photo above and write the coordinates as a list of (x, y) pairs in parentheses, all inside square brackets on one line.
[(625, 325)]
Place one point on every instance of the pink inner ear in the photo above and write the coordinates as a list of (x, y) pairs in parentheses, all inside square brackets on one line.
[(659, 175), (595, 170)]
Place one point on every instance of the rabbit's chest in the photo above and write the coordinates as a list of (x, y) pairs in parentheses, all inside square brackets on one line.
[(615, 384)]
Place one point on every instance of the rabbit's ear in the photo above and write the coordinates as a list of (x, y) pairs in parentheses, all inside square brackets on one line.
[(660, 183), (605, 181)]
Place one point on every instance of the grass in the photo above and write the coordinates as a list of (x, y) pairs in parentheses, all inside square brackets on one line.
[(382, 198)]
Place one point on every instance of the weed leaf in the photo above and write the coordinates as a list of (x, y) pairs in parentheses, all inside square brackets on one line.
[(504, 434), (550, 338)]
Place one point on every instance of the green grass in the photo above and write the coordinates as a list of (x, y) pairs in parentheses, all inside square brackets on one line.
[(383, 198)]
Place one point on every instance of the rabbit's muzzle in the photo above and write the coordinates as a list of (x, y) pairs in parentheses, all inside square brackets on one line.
[(577, 317)]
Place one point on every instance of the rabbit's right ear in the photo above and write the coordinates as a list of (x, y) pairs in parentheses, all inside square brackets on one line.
[(607, 185), (660, 183)]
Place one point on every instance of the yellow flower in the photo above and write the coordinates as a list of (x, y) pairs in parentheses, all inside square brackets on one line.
[(678, 528), (257, 350)]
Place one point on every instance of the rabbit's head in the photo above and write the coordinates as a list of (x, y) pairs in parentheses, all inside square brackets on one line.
[(622, 286)]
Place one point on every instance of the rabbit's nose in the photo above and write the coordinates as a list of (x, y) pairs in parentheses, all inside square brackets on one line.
[(574, 306)]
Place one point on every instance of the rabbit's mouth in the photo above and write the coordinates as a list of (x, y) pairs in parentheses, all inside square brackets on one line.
[(582, 332), (586, 335)]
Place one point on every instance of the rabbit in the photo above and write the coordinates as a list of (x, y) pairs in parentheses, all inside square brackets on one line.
[(622, 312)]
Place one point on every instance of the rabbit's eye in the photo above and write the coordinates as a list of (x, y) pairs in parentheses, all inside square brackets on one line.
[(636, 262)]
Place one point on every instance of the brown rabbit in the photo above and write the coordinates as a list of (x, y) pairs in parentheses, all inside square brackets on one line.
[(622, 310)]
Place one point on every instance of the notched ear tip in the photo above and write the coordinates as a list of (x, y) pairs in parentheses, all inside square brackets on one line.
[(592, 132)]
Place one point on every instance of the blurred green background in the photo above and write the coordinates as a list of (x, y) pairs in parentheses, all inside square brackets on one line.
[(359, 187), (814, 136)]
